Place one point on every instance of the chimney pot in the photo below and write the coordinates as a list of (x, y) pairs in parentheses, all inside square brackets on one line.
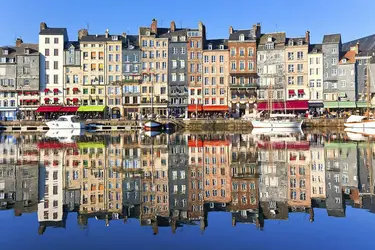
[(230, 30), (173, 26), (82, 33), (19, 42), (307, 37), (43, 26), (154, 26), (106, 33), (124, 34)]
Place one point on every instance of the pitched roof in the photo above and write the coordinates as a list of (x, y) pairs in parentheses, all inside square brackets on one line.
[(315, 48), (100, 38), (177, 32), (365, 43), (216, 44), (277, 38), (160, 31), (14, 51), (333, 38), (295, 40), (132, 40), (349, 56), (53, 31), (249, 35), (74, 43)]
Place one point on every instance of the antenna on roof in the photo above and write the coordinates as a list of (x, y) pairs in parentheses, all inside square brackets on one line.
[(161, 23), (276, 28), (87, 26), (181, 24)]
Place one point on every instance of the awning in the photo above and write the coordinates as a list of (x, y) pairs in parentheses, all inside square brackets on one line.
[(55, 90), (195, 107), (331, 105), (43, 109), (297, 105), (344, 104), (301, 91), (75, 89), (83, 145), (68, 99), (75, 99), (195, 143), (55, 98), (216, 108), (316, 104), (291, 92), (275, 106), (362, 105), (46, 90), (98, 108), (69, 109), (46, 99)]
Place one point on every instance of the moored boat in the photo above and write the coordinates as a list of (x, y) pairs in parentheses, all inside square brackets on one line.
[(152, 126), (66, 122), (283, 123)]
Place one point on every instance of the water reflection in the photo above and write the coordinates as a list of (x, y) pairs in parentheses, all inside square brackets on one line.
[(178, 179)]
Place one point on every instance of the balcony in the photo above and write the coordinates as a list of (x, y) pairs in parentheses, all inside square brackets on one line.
[(243, 85), (132, 81)]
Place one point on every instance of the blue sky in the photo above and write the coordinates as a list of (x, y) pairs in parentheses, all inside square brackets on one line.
[(354, 19)]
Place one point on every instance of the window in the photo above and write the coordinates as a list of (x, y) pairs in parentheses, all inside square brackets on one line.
[(333, 51), (55, 65), (233, 52), (182, 77), (334, 72), (174, 50), (242, 52), (213, 59), (250, 51), (311, 72), (242, 37), (300, 68), (221, 59), (300, 80), (242, 65), (183, 50), (311, 60), (46, 40), (55, 52), (290, 56), (290, 68), (299, 55), (47, 64), (290, 80), (55, 79), (318, 83), (56, 40), (46, 52), (174, 64), (312, 83), (343, 83), (174, 77), (233, 65), (334, 61)]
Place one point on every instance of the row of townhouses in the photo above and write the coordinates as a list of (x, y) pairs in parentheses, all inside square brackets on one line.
[(178, 71)]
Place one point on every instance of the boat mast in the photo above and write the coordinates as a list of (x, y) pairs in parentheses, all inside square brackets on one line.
[(368, 88)]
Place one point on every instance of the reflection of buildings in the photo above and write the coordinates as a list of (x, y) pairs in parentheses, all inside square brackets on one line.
[(178, 177), (51, 195), (154, 184), (245, 181), (317, 174)]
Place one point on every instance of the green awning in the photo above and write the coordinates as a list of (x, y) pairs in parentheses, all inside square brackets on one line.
[(98, 108), (83, 145), (342, 94), (344, 104), (331, 105), (362, 105)]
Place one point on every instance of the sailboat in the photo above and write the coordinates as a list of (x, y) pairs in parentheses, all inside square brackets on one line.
[(152, 125), (275, 120), (361, 123)]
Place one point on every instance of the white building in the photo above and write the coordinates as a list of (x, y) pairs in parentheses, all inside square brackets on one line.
[(318, 179), (51, 47), (315, 76)]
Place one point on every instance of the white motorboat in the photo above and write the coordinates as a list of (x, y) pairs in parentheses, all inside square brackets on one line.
[(66, 122), (359, 122), (274, 123)]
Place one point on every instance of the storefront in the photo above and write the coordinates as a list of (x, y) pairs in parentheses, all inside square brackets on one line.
[(8, 114), (292, 106), (48, 111), (195, 110)]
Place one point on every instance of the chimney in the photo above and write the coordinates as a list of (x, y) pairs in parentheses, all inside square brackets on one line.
[(355, 48), (259, 31), (124, 35), (230, 30), (82, 33), (19, 42), (154, 26), (200, 26), (307, 37), (173, 26), (43, 26), (106, 33)]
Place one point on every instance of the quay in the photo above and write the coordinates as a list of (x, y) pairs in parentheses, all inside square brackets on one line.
[(187, 124)]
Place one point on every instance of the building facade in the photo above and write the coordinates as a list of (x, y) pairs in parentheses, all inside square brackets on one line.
[(215, 76), (242, 63), (51, 47), (72, 74), (315, 77)]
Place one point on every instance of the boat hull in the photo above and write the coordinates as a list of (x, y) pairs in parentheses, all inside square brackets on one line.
[(276, 124), (65, 125), (360, 125), (152, 126)]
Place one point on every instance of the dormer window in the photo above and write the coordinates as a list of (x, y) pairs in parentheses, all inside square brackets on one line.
[(242, 37), (221, 47), (147, 33), (269, 45), (300, 42), (315, 50), (291, 42), (269, 39), (210, 47), (174, 38), (182, 38), (27, 51), (114, 38), (5, 52), (343, 60)]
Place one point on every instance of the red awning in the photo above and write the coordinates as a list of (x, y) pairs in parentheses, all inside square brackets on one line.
[(275, 106), (55, 98), (46, 90), (68, 99), (35, 100), (27, 93), (69, 109), (301, 91), (291, 92), (195, 143), (55, 90), (216, 108), (297, 105), (75, 89), (195, 107), (46, 99), (75, 99), (42, 109)]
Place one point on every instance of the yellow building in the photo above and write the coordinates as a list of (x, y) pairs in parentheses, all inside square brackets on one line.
[(215, 76), (154, 53), (296, 65), (102, 67)]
